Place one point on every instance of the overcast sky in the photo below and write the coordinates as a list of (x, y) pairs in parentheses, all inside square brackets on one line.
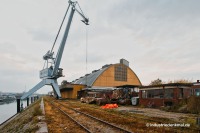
[(160, 39)]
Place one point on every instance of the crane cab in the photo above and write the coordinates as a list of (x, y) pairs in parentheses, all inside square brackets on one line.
[(48, 73)]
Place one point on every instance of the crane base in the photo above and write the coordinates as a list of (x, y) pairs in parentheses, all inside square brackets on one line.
[(52, 82)]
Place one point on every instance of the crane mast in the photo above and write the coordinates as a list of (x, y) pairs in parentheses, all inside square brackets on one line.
[(50, 74)]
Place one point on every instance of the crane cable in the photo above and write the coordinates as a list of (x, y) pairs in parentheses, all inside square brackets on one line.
[(58, 33), (60, 28), (80, 8), (86, 60)]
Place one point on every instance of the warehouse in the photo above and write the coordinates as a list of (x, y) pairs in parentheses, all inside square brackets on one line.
[(110, 75), (164, 94)]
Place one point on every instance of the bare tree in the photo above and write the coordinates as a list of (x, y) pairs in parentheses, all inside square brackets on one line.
[(156, 82)]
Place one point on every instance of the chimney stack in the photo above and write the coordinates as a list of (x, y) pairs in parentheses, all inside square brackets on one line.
[(125, 62)]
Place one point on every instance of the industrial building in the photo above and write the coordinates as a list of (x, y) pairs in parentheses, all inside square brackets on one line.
[(110, 75)]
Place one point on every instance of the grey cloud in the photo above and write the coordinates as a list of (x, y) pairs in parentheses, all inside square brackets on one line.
[(159, 38), (41, 35), (7, 47)]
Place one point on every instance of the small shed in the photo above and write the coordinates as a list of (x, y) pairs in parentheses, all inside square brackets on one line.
[(70, 90), (164, 94)]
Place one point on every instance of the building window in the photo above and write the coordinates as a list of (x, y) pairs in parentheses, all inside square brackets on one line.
[(120, 73), (169, 93), (197, 92), (159, 93), (180, 92), (144, 94)]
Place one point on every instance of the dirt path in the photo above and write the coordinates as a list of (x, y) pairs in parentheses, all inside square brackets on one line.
[(178, 117)]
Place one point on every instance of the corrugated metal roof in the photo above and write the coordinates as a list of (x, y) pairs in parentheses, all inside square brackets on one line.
[(90, 78), (169, 84), (101, 88)]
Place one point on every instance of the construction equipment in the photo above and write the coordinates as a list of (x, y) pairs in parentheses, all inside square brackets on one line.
[(50, 74)]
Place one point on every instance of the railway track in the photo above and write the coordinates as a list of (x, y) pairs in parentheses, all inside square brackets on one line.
[(87, 122), (160, 121)]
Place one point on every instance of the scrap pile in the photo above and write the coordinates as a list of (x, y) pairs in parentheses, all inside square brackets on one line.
[(104, 96)]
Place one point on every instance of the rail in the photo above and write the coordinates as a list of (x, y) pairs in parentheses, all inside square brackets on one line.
[(65, 113), (95, 118), (54, 102)]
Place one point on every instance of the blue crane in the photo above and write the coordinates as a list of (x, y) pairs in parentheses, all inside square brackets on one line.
[(50, 74)]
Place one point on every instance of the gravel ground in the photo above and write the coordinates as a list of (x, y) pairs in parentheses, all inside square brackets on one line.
[(178, 117)]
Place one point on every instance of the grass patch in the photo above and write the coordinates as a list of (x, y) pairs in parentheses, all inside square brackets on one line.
[(37, 111), (193, 105), (32, 129)]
